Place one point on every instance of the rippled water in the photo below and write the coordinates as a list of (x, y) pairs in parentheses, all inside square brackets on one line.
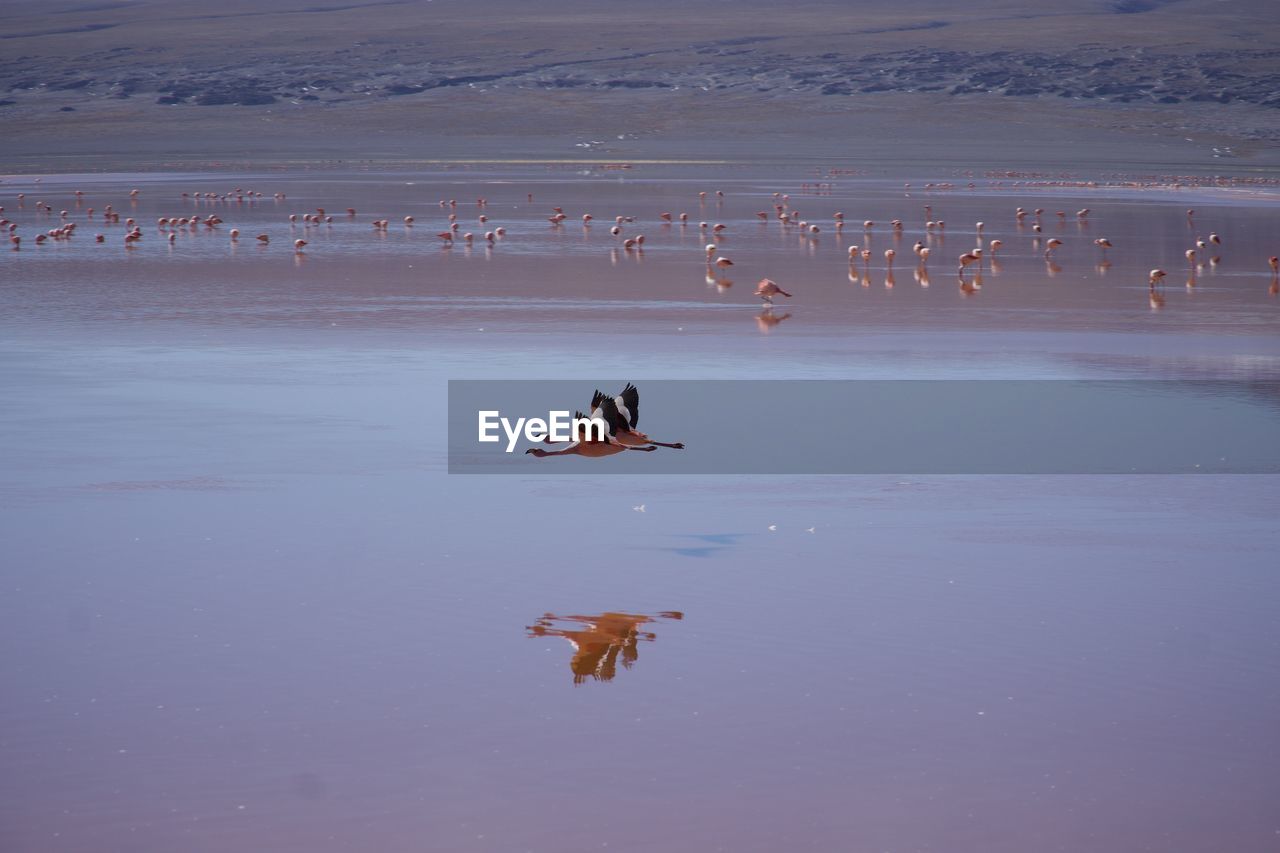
[(245, 607)]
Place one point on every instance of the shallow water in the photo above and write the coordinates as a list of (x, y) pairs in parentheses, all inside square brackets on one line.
[(246, 608)]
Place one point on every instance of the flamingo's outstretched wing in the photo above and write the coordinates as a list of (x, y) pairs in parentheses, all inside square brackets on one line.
[(631, 402), (598, 413), (608, 412)]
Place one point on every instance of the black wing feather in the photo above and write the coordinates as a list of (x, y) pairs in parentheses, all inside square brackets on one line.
[(612, 417), (631, 399)]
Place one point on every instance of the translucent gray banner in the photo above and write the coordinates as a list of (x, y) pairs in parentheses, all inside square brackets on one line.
[(880, 427)]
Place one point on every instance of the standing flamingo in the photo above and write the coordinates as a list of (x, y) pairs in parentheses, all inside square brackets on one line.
[(767, 289)]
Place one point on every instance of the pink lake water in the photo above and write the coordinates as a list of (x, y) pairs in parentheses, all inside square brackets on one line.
[(244, 607)]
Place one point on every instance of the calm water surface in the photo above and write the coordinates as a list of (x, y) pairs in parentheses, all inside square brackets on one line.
[(244, 608)]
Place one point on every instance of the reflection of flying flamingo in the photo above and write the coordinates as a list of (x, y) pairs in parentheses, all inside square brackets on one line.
[(598, 641)]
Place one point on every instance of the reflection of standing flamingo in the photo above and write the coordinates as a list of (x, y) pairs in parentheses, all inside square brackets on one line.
[(766, 319), (598, 641)]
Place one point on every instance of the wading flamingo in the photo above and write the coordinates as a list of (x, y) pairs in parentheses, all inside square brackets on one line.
[(767, 289)]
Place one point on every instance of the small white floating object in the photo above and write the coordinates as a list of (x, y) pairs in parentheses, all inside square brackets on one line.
[(773, 527), (638, 508)]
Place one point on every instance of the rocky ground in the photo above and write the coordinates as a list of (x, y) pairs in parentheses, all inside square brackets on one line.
[(129, 61), (1088, 72)]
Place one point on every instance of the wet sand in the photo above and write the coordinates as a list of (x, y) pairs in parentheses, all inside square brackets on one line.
[(246, 608)]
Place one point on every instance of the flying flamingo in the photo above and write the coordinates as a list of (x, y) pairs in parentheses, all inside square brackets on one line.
[(590, 442), (627, 406)]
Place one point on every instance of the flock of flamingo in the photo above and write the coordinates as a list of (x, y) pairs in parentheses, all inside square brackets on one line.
[(717, 262)]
